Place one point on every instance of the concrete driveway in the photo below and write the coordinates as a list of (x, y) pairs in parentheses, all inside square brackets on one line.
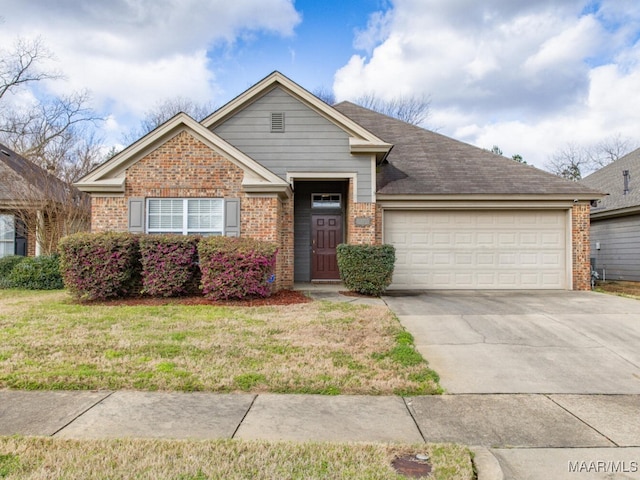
[(526, 342)]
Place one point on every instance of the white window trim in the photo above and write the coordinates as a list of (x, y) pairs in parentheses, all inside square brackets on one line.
[(11, 242), (185, 217)]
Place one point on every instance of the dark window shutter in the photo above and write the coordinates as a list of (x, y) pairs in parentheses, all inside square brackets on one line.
[(232, 217), (136, 215)]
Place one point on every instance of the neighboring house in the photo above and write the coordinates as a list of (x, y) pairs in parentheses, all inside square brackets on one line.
[(35, 208), (276, 163), (615, 219)]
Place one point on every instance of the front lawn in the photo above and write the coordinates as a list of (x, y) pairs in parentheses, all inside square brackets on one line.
[(46, 458), (47, 341)]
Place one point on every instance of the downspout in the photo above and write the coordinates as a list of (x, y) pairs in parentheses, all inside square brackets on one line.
[(39, 232)]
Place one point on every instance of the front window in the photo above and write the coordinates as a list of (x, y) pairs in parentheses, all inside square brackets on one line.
[(7, 235), (200, 216), (326, 200)]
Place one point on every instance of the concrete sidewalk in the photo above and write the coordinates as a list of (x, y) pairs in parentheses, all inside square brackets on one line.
[(537, 434)]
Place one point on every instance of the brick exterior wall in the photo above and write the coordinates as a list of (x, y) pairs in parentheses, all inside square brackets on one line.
[(581, 251), (365, 234), (271, 219), (108, 214), (184, 167), (361, 234)]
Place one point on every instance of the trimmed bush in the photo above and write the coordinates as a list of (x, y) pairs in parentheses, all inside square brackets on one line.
[(37, 273), (366, 269), (96, 266), (169, 264), (6, 265), (235, 268)]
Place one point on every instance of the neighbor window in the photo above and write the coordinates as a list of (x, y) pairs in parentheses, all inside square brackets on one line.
[(326, 200), (199, 216), (7, 235)]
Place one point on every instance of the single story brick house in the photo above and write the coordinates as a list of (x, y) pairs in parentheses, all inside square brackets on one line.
[(36, 208), (277, 163), (615, 219)]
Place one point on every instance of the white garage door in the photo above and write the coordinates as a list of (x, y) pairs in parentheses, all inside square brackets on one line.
[(478, 249)]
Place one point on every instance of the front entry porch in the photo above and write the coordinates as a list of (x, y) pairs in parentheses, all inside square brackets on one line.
[(319, 227)]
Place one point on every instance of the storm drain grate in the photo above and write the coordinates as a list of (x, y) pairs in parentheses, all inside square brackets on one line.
[(413, 466)]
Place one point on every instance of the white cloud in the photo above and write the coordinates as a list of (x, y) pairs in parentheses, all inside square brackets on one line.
[(130, 54), (527, 75)]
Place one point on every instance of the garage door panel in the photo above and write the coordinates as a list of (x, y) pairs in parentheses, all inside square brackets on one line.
[(479, 249)]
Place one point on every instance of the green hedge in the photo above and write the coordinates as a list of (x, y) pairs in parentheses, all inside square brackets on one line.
[(366, 269), (37, 273), (6, 265)]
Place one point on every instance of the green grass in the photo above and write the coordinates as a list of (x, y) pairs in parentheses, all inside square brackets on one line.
[(56, 459), (47, 341)]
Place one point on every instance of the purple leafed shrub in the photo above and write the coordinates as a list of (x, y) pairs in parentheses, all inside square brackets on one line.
[(236, 267), (169, 264), (96, 266)]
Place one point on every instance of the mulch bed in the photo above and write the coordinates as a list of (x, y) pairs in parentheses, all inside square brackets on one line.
[(629, 288), (283, 297)]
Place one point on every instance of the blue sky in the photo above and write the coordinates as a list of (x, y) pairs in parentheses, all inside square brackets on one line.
[(528, 75)]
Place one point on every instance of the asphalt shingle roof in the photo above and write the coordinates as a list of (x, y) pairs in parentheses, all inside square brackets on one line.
[(22, 174), (610, 180), (425, 162)]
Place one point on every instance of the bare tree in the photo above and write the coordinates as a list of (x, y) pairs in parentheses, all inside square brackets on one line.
[(20, 66), (574, 161), (164, 110), (52, 133), (609, 150), (414, 109), (325, 94), (569, 162), (56, 135)]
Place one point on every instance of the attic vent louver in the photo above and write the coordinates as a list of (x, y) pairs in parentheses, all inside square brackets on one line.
[(627, 177), (277, 122)]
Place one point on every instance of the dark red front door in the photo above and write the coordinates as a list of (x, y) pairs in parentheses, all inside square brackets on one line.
[(326, 234)]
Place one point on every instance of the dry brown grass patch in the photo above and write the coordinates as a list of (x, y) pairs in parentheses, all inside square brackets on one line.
[(49, 342)]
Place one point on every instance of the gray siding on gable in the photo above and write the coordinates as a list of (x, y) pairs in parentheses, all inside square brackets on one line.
[(619, 252), (310, 142)]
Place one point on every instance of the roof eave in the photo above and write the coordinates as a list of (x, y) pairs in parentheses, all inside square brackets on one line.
[(574, 198), (617, 212), (112, 185)]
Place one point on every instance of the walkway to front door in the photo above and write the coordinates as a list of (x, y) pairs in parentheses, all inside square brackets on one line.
[(326, 234)]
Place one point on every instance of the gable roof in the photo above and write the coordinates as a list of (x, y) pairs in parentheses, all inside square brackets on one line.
[(423, 162), (27, 182), (110, 176), (361, 139), (610, 180)]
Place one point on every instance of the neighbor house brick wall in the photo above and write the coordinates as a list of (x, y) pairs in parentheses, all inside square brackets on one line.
[(581, 247)]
